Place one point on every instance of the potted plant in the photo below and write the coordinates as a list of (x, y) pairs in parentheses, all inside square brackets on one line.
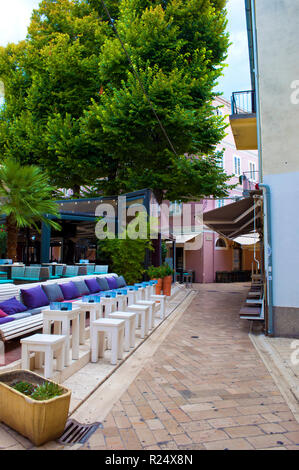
[(155, 274), (167, 279), (34, 407)]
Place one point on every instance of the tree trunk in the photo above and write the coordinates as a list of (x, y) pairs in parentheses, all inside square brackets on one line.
[(12, 238), (76, 190)]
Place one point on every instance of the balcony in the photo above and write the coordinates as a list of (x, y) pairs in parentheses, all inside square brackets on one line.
[(243, 120)]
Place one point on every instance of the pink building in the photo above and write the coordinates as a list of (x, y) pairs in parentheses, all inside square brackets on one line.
[(218, 254)]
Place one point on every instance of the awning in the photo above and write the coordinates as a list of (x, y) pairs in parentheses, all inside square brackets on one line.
[(251, 239), (234, 220)]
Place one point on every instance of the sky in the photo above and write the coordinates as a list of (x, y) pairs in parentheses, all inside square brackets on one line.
[(15, 18)]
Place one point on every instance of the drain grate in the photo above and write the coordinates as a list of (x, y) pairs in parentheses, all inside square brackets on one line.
[(77, 433)]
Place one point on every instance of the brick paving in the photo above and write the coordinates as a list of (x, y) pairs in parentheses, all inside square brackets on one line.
[(205, 388)]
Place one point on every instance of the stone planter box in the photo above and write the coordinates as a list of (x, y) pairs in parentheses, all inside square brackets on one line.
[(39, 421)]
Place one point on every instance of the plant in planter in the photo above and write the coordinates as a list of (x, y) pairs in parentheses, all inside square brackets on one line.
[(155, 273), (35, 408), (167, 279)]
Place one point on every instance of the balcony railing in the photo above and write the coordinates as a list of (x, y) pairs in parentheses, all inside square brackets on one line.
[(243, 102)]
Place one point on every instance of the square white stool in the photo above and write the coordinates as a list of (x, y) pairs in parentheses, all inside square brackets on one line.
[(47, 344), (109, 303), (132, 297), (152, 309), (162, 300), (99, 328), (95, 311), (143, 315), (122, 302), (62, 323), (140, 293), (130, 326)]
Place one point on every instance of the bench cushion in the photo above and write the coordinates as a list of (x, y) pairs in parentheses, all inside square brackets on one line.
[(3, 314), (12, 306), (102, 281), (34, 297), (6, 320), (19, 316), (69, 290), (112, 282), (53, 292), (82, 287), (92, 285), (120, 281)]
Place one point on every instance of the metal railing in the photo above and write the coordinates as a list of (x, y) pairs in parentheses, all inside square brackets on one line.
[(243, 102), (249, 180)]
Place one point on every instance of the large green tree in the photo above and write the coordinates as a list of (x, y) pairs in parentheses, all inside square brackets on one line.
[(88, 112)]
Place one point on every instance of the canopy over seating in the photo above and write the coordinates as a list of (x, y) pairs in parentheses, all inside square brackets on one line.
[(234, 220)]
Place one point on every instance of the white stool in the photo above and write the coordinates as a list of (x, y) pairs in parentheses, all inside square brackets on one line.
[(140, 293), (143, 315), (152, 309), (162, 300), (47, 344), (62, 324), (95, 311), (147, 292), (121, 302), (109, 303), (132, 297), (97, 338), (130, 326)]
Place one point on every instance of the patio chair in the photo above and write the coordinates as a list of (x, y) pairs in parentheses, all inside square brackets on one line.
[(188, 277), (90, 269), (101, 269), (71, 271)]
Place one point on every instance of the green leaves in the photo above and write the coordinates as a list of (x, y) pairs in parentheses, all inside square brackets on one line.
[(26, 196)]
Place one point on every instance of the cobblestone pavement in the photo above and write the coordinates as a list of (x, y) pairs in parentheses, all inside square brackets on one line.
[(205, 388)]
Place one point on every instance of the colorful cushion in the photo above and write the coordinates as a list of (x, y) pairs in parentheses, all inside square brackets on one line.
[(69, 291), (102, 281), (82, 287), (2, 314), (34, 297), (6, 320), (93, 285), (53, 292), (120, 282), (12, 306), (112, 282)]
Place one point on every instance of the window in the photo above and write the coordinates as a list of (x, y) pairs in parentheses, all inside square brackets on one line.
[(252, 171), (221, 244), (175, 208), (220, 203), (237, 166)]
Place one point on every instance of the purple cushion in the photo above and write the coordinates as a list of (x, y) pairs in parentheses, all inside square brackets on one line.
[(12, 306), (92, 285), (6, 320), (69, 290), (34, 297), (111, 282)]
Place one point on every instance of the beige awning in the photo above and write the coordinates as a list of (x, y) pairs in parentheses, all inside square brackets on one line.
[(248, 239), (234, 220)]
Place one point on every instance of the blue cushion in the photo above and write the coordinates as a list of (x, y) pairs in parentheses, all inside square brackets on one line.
[(69, 290), (6, 320), (92, 285), (53, 292), (34, 297), (18, 316), (82, 287), (120, 282), (102, 281), (12, 306), (112, 282)]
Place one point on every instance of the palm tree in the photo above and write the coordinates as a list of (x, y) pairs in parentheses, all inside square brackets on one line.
[(25, 199)]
